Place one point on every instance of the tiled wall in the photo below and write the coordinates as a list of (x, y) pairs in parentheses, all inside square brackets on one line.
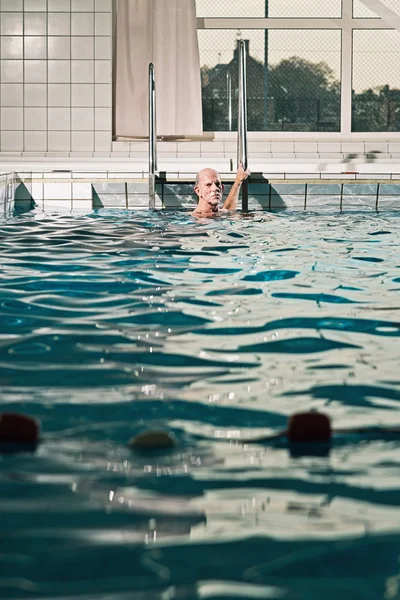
[(55, 76)]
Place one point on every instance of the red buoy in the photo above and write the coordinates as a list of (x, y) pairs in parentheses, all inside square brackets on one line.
[(309, 427), (16, 428)]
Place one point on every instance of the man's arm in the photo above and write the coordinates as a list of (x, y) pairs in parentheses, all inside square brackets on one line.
[(231, 201)]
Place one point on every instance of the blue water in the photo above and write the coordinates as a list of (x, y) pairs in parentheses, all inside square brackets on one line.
[(215, 330)]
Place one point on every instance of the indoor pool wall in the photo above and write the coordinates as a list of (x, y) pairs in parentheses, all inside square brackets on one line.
[(85, 191)]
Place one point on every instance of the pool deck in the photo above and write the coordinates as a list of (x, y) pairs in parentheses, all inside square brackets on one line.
[(286, 174)]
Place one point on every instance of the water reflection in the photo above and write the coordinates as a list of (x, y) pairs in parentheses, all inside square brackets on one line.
[(113, 323)]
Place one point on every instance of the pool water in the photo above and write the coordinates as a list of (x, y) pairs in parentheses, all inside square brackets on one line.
[(216, 330)]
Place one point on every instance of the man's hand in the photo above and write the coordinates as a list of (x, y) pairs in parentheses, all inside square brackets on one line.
[(241, 174), (231, 201)]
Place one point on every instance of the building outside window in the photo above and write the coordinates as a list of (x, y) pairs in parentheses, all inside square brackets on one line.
[(312, 65)]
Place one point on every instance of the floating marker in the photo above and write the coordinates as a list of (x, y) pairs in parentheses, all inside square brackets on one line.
[(18, 428), (309, 427), (153, 440)]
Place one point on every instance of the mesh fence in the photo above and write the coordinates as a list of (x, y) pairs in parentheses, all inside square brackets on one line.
[(293, 79), (360, 11), (376, 80), (270, 8)]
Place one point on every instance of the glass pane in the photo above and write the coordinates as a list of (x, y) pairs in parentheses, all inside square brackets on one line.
[(376, 80), (360, 11), (299, 90), (272, 8)]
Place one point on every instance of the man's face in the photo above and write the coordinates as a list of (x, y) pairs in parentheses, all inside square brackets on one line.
[(209, 188)]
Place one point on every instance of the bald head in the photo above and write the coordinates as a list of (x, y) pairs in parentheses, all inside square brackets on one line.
[(206, 173)]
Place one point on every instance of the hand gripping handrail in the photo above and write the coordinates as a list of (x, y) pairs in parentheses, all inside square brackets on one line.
[(152, 138), (242, 122)]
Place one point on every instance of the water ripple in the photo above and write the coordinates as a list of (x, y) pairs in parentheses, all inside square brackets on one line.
[(115, 322)]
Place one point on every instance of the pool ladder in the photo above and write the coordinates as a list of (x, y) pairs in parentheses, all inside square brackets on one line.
[(242, 123), (152, 138), (241, 134)]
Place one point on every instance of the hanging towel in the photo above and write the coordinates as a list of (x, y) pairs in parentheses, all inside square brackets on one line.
[(163, 32)]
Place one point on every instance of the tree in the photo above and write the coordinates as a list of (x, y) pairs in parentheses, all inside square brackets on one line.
[(377, 109), (305, 93), (303, 96)]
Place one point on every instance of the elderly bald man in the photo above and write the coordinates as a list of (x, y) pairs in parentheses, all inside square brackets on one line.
[(209, 189)]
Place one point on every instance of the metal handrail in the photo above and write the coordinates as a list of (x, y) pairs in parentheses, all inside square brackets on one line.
[(242, 122), (152, 137), (229, 97)]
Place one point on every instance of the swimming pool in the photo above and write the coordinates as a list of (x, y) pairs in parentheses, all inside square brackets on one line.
[(217, 330)]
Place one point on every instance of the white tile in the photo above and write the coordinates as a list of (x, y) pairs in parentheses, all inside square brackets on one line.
[(59, 94), (35, 5), (81, 153), (91, 175), (35, 46), (11, 5), (59, 5), (82, 71), (82, 141), (12, 46), (282, 146), (82, 5), (103, 48), (214, 147), (59, 47), (305, 147), (12, 94), (82, 23), (82, 94), (394, 146), (329, 146), (59, 23), (103, 94), (185, 147), (126, 146), (82, 191), (376, 147), (82, 119), (12, 141), (59, 119), (35, 119), (35, 94), (102, 5), (54, 205), (254, 146), (24, 175), (57, 191), (102, 24), (352, 147), (102, 119), (230, 146), (35, 23), (11, 24), (35, 140), (12, 71), (12, 118), (59, 141), (82, 47), (102, 140), (59, 71), (102, 70), (37, 191), (35, 71), (82, 205)]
